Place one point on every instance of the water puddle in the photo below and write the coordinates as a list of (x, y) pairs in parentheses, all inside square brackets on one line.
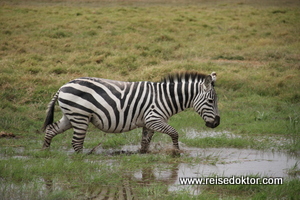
[(226, 161), (236, 162), (221, 162), (239, 162)]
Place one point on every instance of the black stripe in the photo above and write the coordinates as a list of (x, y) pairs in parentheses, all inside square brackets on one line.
[(167, 98), (172, 97), (191, 93), (77, 114), (187, 95), (77, 139), (180, 95), (163, 97), (135, 109), (77, 122), (65, 108), (130, 101), (149, 88)]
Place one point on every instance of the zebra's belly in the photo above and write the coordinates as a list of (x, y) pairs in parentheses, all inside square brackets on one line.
[(115, 125)]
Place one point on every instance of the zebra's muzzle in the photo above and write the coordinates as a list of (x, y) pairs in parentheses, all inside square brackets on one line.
[(214, 123)]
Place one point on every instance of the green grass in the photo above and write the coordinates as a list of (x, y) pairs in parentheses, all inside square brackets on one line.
[(289, 190), (252, 45)]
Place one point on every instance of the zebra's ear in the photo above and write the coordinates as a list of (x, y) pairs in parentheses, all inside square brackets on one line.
[(209, 81), (214, 77)]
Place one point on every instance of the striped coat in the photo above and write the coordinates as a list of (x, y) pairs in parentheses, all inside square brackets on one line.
[(115, 106)]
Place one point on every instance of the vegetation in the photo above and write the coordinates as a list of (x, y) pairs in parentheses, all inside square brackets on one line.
[(252, 45)]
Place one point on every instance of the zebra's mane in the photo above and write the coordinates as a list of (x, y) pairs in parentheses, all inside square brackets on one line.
[(183, 77)]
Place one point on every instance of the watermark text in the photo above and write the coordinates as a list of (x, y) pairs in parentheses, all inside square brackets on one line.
[(234, 180)]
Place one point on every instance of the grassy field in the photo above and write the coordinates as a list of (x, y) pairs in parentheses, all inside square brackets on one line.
[(254, 46)]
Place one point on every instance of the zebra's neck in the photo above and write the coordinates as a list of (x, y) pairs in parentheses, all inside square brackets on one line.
[(174, 97)]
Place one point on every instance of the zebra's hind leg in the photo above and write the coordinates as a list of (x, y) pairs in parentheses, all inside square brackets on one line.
[(80, 126), (56, 128), (146, 139)]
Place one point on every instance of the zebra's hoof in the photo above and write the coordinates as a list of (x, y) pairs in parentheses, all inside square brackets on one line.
[(143, 151), (45, 148), (176, 153)]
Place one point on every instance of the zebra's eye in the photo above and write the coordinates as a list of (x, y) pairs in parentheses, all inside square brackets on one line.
[(210, 100)]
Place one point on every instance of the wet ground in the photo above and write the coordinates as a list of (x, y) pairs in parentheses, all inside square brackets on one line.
[(223, 162)]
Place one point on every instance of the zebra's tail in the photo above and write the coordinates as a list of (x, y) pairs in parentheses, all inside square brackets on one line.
[(50, 111)]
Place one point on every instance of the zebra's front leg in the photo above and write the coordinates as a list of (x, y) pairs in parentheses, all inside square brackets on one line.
[(146, 139), (167, 129)]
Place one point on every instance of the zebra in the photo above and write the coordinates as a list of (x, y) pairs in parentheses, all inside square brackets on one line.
[(116, 106)]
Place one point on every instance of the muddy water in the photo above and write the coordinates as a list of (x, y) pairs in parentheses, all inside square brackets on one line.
[(231, 161), (221, 162), (235, 162)]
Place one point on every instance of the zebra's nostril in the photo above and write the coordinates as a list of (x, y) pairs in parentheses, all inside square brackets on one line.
[(210, 124), (217, 121), (213, 124)]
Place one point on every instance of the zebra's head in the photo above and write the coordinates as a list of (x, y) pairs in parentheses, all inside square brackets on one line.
[(206, 102)]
